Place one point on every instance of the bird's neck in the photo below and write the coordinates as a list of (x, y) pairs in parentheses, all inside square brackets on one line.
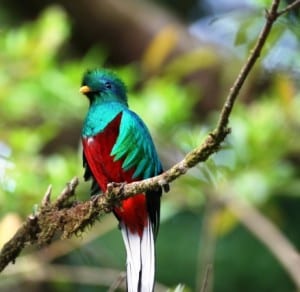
[(108, 98), (100, 115)]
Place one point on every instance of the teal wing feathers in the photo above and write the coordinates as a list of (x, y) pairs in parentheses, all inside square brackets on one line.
[(135, 147), (134, 144)]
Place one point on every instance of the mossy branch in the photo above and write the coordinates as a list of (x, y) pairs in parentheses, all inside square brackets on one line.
[(66, 217)]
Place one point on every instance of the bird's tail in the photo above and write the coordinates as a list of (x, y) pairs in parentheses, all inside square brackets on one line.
[(140, 258)]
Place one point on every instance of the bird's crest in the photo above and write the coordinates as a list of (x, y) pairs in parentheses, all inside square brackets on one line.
[(103, 85)]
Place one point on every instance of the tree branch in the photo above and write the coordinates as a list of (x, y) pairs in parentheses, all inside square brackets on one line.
[(290, 7), (66, 217)]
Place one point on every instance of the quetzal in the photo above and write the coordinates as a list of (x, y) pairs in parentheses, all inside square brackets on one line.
[(117, 147)]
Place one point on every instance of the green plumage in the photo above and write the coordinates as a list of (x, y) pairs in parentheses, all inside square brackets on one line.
[(117, 147), (134, 143)]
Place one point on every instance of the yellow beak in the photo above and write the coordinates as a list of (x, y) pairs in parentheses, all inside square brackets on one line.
[(85, 89)]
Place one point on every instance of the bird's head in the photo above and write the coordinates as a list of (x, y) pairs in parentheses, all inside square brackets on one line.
[(101, 85)]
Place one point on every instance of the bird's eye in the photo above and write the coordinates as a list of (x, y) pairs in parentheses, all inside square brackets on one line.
[(108, 85)]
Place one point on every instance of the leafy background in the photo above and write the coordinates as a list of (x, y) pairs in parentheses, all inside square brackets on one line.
[(41, 114)]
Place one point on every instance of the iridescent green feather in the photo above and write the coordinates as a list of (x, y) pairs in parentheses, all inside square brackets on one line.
[(135, 145)]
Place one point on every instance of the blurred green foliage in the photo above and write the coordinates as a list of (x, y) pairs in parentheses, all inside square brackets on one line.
[(41, 113), (39, 106)]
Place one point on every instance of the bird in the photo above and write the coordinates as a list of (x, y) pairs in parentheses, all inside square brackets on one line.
[(117, 147)]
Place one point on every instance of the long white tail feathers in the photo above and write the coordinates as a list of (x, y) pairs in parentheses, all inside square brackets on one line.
[(140, 259), (147, 259)]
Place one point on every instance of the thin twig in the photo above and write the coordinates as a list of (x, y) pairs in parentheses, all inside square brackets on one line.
[(47, 197), (208, 238), (207, 276), (271, 16), (67, 192), (119, 281), (290, 7)]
